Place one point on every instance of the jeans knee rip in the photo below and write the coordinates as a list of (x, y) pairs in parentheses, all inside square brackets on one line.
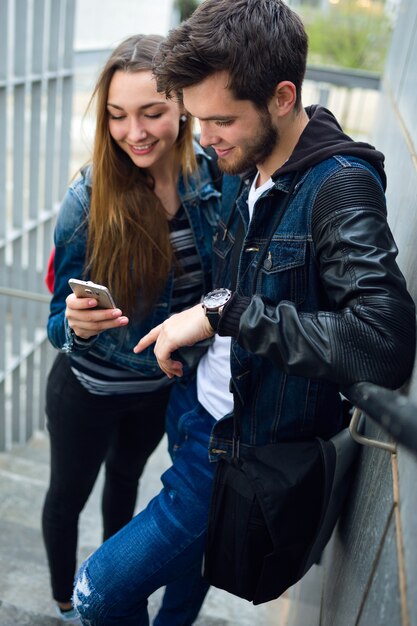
[(82, 591)]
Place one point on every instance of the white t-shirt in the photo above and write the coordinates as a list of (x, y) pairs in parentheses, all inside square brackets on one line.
[(256, 192), (213, 372), (213, 376)]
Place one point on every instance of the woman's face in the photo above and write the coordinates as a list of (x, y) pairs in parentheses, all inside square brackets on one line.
[(142, 121)]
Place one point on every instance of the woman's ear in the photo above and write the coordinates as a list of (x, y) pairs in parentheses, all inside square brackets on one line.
[(183, 114), (284, 99)]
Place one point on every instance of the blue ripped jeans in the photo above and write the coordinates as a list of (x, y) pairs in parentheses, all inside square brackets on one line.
[(162, 545)]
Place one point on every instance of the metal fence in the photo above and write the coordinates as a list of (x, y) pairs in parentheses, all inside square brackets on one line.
[(352, 95), (36, 58)]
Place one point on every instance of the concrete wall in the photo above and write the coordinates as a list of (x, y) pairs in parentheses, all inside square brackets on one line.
[(396, 134), (368, 575)]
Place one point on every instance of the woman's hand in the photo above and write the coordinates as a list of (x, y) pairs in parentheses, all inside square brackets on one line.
[(182, 329), (86, 321)]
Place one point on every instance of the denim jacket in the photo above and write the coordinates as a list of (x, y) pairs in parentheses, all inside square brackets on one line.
[(308, 323), (201, 202)]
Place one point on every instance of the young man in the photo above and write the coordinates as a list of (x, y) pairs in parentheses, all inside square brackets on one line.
[(318, 301)]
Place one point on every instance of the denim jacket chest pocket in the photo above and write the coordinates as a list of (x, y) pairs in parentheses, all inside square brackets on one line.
[(283, 273), (223, 242)]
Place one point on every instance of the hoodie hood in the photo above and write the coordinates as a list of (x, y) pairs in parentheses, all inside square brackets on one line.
[(323, 138)]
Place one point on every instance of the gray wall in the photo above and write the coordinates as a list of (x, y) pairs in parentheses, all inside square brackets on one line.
[(396, 135), (368, 575)]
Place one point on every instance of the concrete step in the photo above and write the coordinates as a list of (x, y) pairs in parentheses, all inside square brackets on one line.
[(11, 615), (25, 597)]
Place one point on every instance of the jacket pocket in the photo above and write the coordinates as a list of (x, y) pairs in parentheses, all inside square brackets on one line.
[(283, 274), (222, 245)]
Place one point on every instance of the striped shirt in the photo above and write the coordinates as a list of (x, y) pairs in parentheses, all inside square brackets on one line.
[(189, 279), (102, 377)]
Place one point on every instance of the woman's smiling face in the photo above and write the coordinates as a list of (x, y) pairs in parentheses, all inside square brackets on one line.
[(142, 121)]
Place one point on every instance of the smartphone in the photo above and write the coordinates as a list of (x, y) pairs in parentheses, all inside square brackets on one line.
[(88, 289)]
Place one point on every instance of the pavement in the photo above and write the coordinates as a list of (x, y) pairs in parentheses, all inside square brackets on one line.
[(25, 598)]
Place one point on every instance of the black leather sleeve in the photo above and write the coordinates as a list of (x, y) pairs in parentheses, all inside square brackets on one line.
[(368, 331)]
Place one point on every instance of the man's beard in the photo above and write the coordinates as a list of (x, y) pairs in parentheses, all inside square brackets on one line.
[(253, 152)]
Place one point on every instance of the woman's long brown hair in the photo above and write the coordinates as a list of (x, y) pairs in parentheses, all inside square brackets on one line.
[(128, 238)]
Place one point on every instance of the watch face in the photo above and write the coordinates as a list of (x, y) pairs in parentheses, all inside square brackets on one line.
[(216, 298)]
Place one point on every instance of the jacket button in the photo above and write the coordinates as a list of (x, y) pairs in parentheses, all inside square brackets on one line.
[(268, 262)]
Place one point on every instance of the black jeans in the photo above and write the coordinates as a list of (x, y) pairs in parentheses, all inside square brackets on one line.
[(85, 431)]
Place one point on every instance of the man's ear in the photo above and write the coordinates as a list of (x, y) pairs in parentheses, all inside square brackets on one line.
[(284, 99)]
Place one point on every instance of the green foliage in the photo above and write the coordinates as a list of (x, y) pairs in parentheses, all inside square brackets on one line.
[(348, 36), (185, 8)]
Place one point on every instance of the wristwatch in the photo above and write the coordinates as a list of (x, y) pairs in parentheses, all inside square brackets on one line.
[(213, 305)]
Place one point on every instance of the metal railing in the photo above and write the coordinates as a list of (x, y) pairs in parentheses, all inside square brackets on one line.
[(394, 412), (352, 95), (36, 74)]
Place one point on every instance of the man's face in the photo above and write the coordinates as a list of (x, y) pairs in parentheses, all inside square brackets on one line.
[(241, 134)]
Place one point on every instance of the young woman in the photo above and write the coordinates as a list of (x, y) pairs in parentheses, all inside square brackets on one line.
[(139, 219)]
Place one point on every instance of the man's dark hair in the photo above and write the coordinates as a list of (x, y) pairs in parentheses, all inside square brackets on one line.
[(258, 42)]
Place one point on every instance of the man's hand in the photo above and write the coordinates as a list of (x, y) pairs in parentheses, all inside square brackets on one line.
[(182, 329), (86, 321)]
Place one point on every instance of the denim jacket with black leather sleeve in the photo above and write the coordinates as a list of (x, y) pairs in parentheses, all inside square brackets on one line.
[(327, 307)]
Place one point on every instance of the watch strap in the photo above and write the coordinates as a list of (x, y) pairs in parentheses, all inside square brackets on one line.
[(214, 318)]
